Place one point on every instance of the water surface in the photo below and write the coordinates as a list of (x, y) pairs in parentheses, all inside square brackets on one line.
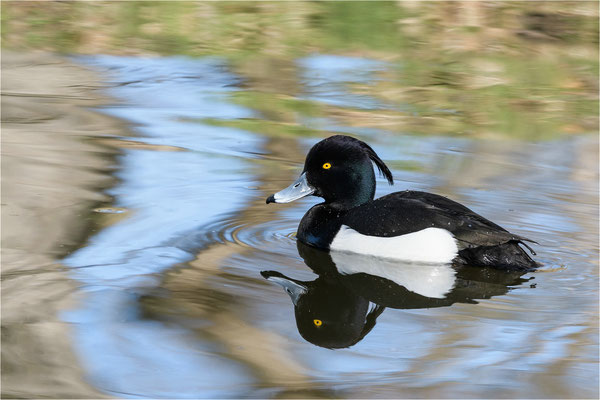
[(175, 305)]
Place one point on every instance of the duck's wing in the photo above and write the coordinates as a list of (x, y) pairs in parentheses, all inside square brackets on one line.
[(405, 212)]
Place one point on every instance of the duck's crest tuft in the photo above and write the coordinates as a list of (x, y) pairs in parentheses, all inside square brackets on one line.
[(383, 169)]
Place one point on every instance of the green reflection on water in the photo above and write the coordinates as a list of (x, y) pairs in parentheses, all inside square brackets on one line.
[(524, 70)]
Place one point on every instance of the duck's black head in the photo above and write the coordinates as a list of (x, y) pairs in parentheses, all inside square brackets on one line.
[(339, 170)]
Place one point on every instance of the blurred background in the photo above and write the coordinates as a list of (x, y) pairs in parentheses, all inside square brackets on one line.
[(140, 139)]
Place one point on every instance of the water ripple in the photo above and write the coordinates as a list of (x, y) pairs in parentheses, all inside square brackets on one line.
[(260, 235)]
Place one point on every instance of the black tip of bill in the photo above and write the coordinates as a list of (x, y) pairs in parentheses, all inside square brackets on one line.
[(270, 274)]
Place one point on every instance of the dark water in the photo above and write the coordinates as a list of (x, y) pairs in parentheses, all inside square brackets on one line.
[(173, 302)]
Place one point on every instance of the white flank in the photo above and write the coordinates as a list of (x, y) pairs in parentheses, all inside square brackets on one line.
[(431, 245), (427, 280)]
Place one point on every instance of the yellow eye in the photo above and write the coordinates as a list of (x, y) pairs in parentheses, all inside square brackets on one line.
[(317, 322), (326, 165)]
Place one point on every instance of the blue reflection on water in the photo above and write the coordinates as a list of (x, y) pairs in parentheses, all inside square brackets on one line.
[(326, 77), (170, 195)]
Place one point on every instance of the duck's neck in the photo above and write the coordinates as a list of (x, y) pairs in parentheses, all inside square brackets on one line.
[(353, 196)]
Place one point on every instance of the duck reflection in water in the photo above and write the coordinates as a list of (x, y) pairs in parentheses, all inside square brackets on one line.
[(341, 306)]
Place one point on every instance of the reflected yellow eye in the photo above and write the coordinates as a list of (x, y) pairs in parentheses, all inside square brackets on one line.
[(317, 322), (326, 165)]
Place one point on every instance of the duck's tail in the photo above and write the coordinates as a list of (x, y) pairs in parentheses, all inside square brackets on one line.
[(509, 256)]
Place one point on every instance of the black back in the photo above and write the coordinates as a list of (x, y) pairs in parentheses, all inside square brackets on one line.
[(411, 211)]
